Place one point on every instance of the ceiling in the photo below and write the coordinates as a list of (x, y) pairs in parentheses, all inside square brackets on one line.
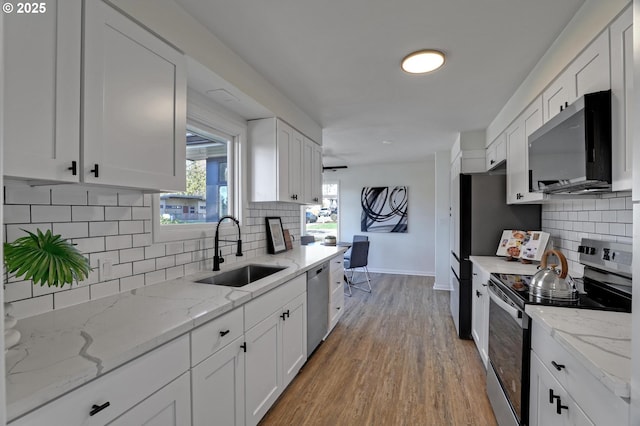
[(339, 61)]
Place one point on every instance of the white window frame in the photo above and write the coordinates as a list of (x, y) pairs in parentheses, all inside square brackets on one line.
[(206, 120)]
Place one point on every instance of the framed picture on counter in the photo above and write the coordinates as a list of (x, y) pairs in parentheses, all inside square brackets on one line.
[(524, 245), (275, 235)]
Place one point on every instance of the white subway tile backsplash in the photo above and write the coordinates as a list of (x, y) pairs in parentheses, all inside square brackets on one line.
[(87, 213), (72, 229), (130, 199), (116, 225), (131, 226), (69, 195), (21, 193), (602, 228), (617, 204), (118, 242), (617, 229), (131, 283), (71, 297), (117, 213), (624, 216), (102, 197), (101, 229), (17, 231), (107, 288), (51, 213), (16, 213)]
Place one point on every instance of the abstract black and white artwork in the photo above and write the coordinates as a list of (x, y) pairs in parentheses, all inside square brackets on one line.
[(384, 209)]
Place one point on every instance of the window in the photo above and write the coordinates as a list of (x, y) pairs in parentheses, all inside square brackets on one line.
[(322, 219), (212, 176)]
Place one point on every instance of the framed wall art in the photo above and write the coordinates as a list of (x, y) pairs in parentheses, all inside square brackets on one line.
[(384, 209), (275, 235)]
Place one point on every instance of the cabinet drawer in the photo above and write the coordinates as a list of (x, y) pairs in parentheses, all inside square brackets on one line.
[(598, 402), (336, 264), (122, 388), (215, 335), (263, 306)]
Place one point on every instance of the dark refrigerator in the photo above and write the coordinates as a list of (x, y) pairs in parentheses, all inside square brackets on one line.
[(479, 213)]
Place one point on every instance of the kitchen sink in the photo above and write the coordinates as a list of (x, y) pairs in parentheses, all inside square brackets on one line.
[(241, 276)]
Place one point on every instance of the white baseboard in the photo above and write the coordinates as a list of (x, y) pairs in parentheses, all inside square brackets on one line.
[(444, 287)]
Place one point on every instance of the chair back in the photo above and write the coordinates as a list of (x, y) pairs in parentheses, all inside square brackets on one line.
[(360, 238), (359, 254), (307, 239)]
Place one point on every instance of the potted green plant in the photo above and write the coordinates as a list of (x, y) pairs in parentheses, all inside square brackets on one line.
[(43, 258)]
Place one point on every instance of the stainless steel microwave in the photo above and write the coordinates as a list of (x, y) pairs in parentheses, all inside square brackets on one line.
[(571, 153)]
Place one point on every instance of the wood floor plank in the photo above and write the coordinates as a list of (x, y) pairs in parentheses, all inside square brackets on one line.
[(393, 359)]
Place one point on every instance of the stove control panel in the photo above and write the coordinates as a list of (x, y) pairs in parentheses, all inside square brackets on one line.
[(607, 255)]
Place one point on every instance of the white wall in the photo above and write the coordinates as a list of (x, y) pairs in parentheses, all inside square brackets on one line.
[(412, 253), (2, 374), (443, 194)]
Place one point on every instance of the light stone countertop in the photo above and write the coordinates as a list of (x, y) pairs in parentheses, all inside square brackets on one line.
[(66, 348), (599, 340), (499, 265)]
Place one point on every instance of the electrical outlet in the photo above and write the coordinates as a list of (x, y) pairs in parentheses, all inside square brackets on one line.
[(105, 269)]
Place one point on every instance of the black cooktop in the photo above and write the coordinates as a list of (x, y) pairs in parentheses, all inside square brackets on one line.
[(596, 296)]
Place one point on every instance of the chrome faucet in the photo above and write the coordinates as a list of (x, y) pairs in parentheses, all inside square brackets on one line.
[(217, 258)]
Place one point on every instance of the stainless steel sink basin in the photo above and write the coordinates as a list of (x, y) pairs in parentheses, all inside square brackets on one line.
[(241, 276)]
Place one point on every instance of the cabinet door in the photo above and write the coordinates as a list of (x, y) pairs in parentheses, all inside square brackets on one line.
[(42, 66), (295, 168), (134, 104), (218, 387), (262, 368), (170, 406), (622, 100), (590, 72), (284, 143), (480, 311), (549, 403), (312, 171), (294, 337), (556, 96)]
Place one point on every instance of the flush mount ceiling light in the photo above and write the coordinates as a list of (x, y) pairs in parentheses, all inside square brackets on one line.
[(423, 61)]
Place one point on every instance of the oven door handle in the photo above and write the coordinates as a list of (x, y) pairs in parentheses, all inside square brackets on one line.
[(515, 313)]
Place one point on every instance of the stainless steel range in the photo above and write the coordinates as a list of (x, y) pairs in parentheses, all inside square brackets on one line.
[(606, 285)]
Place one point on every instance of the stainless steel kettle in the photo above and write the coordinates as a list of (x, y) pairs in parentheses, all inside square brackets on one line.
[(551, 283)]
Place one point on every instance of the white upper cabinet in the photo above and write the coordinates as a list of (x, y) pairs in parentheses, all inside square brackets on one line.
[(284, 164), (518, 155), (589, 72), (134, 104), (131, 98), (621, 33), (42, 93), (496, 152)]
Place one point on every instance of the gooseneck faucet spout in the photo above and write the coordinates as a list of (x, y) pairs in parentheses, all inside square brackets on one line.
[(217, 257)]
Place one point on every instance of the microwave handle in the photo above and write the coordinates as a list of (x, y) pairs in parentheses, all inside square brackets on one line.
[(515, 313)]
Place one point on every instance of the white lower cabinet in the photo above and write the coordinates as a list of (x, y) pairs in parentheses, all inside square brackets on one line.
[(276, 344), (218, 387), (336, 290), (550, 404), (117, 392), (480, 312), (564, 392), (170, 406)]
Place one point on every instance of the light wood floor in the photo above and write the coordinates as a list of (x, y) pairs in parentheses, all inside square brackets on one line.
[(393, 359)]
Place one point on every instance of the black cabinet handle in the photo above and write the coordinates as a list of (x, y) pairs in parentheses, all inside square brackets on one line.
[(287, 312), (478, 294), (492, 161), (224, 333), (95, 409), (73, 168), (338, 307), (95, 170), (560, 407), (557, 366), (552, 396), (283, 316), (244, 346)]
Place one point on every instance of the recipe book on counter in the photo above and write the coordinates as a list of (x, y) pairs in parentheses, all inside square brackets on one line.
[(524, 245)]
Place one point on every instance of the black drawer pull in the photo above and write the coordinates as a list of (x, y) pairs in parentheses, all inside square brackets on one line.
[(73, 168), (560, 407), (557, 366), (244, 346), (95, 409), (224, 333), (95, 170), (552, 397)]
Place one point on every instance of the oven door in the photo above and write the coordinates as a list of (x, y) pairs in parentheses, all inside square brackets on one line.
[(509, 345)]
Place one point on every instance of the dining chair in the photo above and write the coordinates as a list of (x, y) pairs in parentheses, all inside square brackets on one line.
[(347, 254), (358, 260)]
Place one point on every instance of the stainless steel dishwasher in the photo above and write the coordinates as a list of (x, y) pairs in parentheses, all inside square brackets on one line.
[(317, 306)]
